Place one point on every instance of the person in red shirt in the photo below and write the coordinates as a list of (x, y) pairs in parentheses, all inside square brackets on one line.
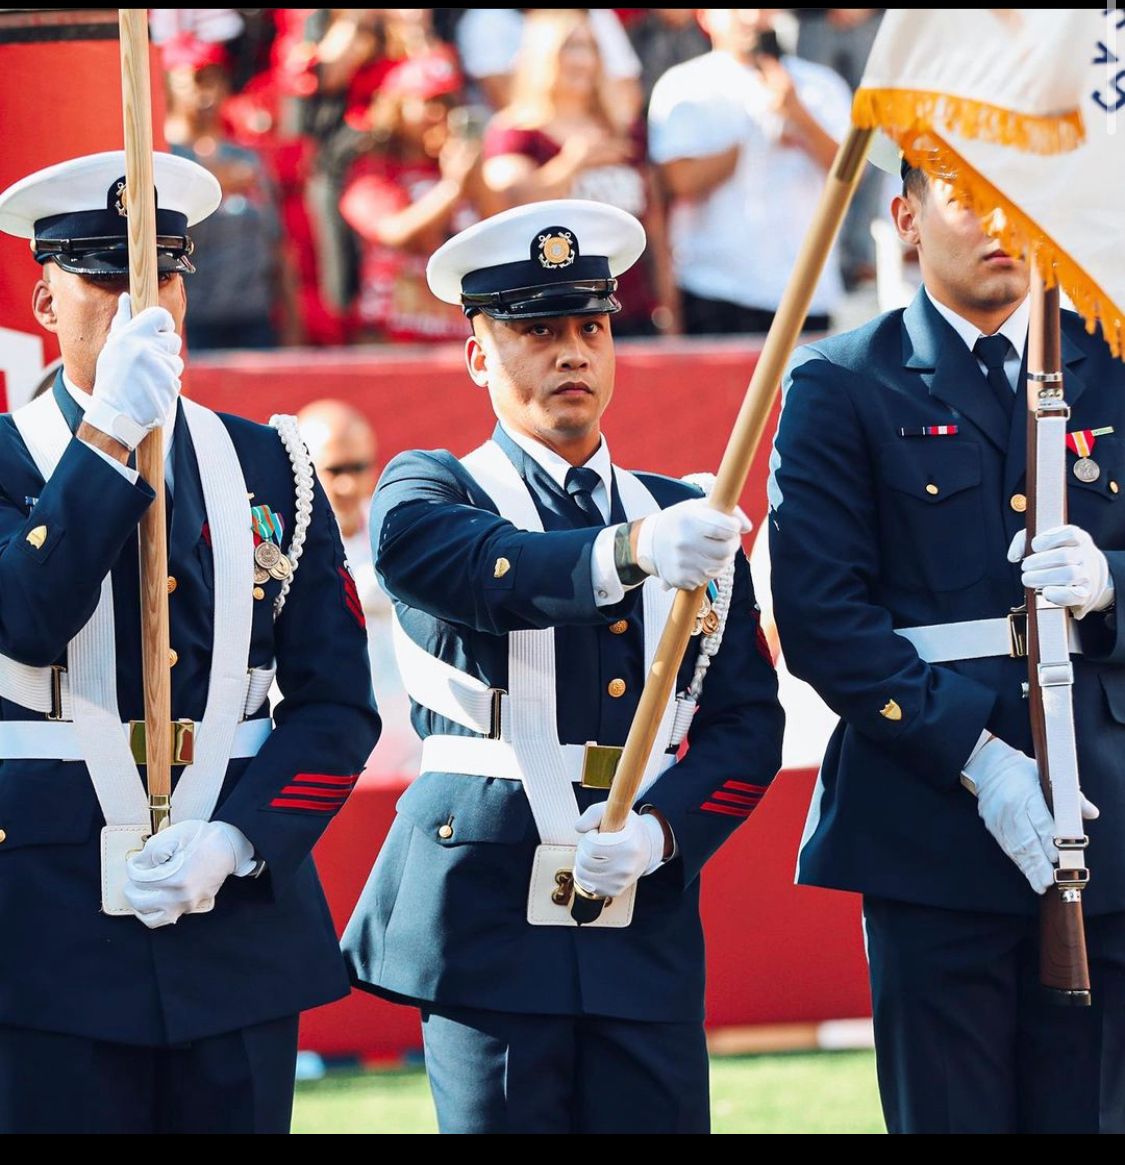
[(558, 139), (404, 198)]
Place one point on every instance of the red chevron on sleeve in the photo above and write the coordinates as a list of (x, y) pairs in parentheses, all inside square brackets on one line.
[(315, 792), (351, 597), (734, 799)]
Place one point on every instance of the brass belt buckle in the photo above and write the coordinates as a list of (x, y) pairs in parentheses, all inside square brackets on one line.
[(1017, 632), (183, 742), (599, 763), (495, 727), (57, 671)]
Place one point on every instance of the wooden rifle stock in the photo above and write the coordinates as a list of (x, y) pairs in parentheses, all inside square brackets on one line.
[(1063, 966)]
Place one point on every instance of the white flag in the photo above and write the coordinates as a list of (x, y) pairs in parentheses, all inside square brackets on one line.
[(1017, 110)]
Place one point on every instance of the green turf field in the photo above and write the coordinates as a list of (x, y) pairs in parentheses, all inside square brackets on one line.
[(822, 1092)]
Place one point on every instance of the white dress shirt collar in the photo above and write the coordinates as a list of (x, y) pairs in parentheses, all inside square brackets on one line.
[(1014, 327), (556, 466)]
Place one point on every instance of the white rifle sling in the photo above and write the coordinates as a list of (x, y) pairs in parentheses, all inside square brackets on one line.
[(1056, 672)]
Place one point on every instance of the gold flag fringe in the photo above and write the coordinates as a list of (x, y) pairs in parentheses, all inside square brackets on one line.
[(901, 110), (1017, 232)]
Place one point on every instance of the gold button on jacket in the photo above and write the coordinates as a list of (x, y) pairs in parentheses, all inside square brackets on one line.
[(616, 688), (620, 627)]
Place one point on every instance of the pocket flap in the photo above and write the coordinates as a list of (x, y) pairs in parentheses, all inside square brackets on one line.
[(930, 471), (454, 810)]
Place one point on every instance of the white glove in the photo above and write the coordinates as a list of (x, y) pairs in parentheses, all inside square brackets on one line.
[(1011, 805), (181, 869), (608, 863), (690, 542), (1069, 569), (137, 378)]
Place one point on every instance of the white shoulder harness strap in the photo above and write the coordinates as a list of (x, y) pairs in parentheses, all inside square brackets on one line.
[(531, 656), (91, 654)]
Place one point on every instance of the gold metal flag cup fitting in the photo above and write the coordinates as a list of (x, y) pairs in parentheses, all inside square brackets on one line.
[(160, 812)]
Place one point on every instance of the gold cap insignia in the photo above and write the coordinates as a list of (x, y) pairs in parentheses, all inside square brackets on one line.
[(557, 249), (37, 536), (891, 711), (121, 203), (501, 568)]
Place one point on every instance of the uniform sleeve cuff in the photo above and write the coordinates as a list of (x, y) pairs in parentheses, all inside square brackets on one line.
[(608, 587), (130, 475)]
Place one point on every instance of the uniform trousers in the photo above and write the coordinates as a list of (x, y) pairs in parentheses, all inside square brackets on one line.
[(505, 1072), (238, 1082), (967, 1041)]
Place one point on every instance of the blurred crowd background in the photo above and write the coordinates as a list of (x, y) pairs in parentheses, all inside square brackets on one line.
[(350, 143)]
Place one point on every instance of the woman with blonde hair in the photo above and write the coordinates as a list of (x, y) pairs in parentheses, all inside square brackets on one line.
[(558, 139)]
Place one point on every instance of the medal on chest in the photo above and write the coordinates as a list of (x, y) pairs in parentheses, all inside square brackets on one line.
[(1081, 443)]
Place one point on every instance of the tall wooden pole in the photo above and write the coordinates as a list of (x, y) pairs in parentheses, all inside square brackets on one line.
[(136, 101), (847, 168)]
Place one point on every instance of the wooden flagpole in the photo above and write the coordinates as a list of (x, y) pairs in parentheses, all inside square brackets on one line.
[(847, 168), (136, 100)]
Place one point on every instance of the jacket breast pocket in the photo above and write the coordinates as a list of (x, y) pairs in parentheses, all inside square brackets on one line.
[(454, 810), (934, 510)]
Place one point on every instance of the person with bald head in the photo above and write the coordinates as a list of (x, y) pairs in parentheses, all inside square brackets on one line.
[(343, 447), (342, 444)]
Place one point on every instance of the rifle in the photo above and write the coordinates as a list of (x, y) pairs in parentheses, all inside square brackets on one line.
[(1063, 967)]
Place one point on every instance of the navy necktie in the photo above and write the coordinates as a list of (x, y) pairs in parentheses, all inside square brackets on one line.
[(580, 484), (992, 351)]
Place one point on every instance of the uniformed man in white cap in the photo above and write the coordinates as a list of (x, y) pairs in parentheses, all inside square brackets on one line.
[(524, 634), (159, 991)]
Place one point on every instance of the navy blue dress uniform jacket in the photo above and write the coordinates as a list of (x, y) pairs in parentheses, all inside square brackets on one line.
[(268, 949), (444, 920), (872, 530)]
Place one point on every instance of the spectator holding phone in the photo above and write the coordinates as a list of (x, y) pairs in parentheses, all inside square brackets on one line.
[(417, 185), (744, 136), (557, 139)]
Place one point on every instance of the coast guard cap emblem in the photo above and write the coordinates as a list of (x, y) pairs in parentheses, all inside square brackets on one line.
[(556, 248), (121, 199)]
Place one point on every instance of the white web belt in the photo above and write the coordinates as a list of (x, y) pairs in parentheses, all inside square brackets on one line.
[(47, 689), (973, 639)]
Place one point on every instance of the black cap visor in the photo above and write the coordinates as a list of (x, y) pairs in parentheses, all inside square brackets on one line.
[(108, 256), (582, 297)]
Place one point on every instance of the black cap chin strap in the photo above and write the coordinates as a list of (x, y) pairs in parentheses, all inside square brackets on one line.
[(179, 245)]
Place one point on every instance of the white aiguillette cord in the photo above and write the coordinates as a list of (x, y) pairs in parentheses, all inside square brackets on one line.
[(93, 684)]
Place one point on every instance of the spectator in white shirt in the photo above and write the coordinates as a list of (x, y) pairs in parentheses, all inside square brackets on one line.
[(744, 136)]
